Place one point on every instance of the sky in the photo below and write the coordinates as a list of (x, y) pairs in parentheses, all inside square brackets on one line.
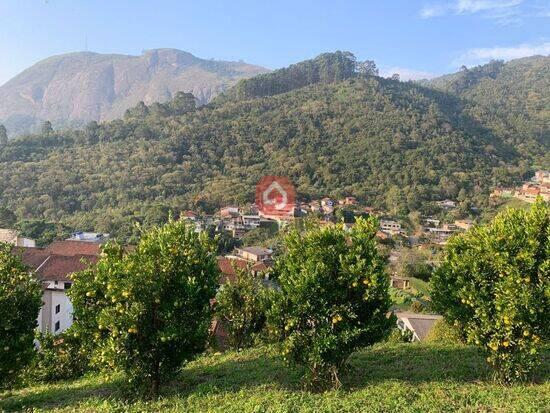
[(418, 39)]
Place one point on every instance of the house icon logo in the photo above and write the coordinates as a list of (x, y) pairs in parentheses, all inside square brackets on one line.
[(275, 195)]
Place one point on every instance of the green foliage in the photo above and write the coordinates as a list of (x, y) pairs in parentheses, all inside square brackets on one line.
[(333, 299), (60, 357), (494, 284), (443, 332), (3, 135), (147, 311), (399, 336), (259, 236), (325, 68), (43, 232), (7, 218), (20, 301), (412, 263), (241, 307), (511, 99)]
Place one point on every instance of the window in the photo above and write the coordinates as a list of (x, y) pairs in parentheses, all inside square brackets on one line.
[(57, 308), (57, 326), (68, 285)]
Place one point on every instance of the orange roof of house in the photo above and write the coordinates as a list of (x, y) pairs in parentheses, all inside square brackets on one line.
[(59, 267), (73, 248), (31, 257)]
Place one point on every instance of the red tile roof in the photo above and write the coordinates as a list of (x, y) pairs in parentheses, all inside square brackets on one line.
[(73, 248), (31, 257), (59, 267), (227, 269)]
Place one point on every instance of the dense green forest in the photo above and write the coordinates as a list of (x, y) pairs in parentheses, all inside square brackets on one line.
[(340, 130)]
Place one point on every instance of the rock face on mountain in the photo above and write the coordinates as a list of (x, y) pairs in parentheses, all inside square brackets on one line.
[(72, 89)]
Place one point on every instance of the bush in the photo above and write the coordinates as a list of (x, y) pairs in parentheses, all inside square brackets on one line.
[(240, 305), (399, 336), (494, 286), (20, 301), (417, 306), (146, 312), (59, 357), (443, 332), (333, 299)]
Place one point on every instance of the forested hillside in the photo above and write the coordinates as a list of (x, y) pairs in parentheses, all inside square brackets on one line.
[(394, 145), (512, 99)]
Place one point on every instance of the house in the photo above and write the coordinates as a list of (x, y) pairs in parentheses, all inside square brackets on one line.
[(71, 247), (254, 254), (349, 200), (464, 224), (542, 177), (444, 232), (315, 206), (418, 324), (53, 266), (327, 205), (393, 227), (400, 282), (229, 211), (227, 266), (447, 204), (502, 193), (189, 216), (528, 192), (11, 236), (432, 222), (53, 271), (89, 237), (251, 221), (56, 313)]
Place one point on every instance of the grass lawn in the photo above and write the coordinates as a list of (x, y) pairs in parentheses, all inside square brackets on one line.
[(385, 378)]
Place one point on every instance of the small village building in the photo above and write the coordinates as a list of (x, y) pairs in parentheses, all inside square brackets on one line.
[(89, 237), (189, 216), (11, 236), (542, 177), (56, 313), (464, 224), (254, 254), (400, 282), (393, 227), (229, 211), (419, 325), (447, 204)]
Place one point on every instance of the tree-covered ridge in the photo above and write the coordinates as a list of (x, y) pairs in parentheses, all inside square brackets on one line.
[(512, 99), (325, 68)]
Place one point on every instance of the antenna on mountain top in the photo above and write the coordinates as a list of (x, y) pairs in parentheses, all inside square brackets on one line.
[(86, 42)]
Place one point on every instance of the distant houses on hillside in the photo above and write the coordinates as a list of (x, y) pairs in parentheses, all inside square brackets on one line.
[(539, 185)]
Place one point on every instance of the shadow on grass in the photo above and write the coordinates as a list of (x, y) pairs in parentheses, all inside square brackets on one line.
[(60, 395)]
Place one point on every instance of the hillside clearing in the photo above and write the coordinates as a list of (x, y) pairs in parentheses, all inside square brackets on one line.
[(387, 377)]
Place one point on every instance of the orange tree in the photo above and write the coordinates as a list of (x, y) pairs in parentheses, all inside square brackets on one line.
[(20, 301), (241, 305), (147, 311), (333, 298), (494, 284)]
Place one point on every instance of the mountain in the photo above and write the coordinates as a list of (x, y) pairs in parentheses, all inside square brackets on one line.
[(512, 99), (399, 146), (72, 89)]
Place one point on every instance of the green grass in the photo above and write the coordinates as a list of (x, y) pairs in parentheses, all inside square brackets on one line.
[(385, 378)]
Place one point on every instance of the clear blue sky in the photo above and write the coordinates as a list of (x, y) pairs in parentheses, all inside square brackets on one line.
[(415, 38)]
